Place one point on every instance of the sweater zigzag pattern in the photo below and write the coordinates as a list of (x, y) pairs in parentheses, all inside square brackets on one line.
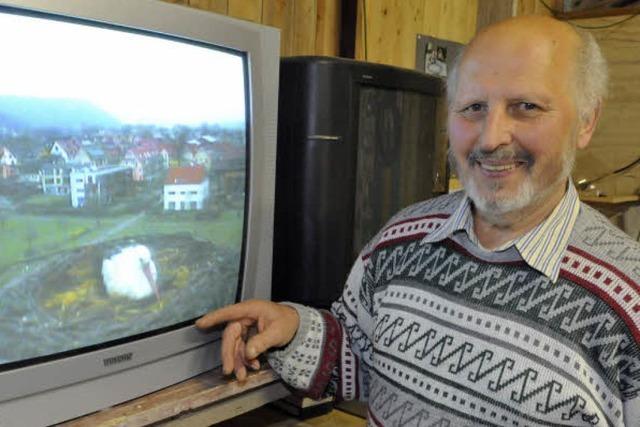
[(447, 334)]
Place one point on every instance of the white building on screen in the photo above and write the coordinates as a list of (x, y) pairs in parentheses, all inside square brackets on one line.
[(98, 186), (186, 188)]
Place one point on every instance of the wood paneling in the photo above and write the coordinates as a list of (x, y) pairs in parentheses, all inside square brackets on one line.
[(328, 27), (304, 27), (490, 11), (386, 32), (248, 10), (307, 27), (532, 7), (616, 141), (279, 14), (451, 20), (217, 6), (390, 27)]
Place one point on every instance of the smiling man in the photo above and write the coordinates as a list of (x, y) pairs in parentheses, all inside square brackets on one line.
[(517, 114), (510, 303)]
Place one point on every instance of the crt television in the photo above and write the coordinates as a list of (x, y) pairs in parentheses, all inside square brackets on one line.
[(137, 160)]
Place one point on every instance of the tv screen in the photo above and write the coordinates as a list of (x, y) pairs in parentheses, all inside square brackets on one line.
[(137, 154), (122, 208)]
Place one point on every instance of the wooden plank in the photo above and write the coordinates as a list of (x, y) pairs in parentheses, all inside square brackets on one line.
[(360, 48), (328, 28), (304, 27), (227, 410), (453, 20), (279, 14), (371, 30), (533, 7), (598, 161), (249, 10), (615, 142), (599, 12), (191, 395), (391, 29), (490, 11), (610, 199), (216, 6)]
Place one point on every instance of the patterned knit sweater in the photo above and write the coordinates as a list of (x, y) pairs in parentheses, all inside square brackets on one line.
[(447, 334)]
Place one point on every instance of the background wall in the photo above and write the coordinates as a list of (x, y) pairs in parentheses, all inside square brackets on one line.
[(308, 27), (386, 29), (617, 138), (386, 32)]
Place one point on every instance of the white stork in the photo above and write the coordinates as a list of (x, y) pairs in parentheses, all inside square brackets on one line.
[(131, 273)]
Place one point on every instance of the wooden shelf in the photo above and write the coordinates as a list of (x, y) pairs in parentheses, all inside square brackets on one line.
[(631, 198), (599, 12), (200, 401)]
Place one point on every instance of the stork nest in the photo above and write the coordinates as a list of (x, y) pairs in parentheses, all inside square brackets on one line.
[(58, 303)]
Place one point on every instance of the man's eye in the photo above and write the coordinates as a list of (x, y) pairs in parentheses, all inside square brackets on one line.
[(527, 106), (473, 108)]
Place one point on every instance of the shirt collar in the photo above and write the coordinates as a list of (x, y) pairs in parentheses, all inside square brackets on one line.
[(542, 248)]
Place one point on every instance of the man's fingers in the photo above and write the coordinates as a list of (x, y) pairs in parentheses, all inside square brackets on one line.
[(277, 325), (241, 373), (245, 309), (239, 361), (259, 343), (230, 337)]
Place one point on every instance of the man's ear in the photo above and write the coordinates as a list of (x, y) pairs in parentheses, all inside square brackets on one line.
[(588, 126)]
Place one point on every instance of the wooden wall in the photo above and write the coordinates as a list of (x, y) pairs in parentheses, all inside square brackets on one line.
[(386, 29), (390, 27), (308, 27), (617, 139), (616, 142), (490, 11), (386, 32)]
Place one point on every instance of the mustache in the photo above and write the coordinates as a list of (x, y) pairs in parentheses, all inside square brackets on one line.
[(502, 153)]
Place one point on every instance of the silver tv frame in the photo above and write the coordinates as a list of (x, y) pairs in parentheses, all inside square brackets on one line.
[(61, 389)]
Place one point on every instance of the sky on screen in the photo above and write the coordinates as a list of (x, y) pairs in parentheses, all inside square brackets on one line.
[(138, 79)]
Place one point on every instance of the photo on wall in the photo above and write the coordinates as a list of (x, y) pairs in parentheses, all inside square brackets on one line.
[(435, 56)]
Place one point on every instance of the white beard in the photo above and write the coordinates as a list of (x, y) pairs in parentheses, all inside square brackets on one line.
[(494, 208)]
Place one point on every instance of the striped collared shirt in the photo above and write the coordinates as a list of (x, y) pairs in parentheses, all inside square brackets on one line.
[(541, 248)]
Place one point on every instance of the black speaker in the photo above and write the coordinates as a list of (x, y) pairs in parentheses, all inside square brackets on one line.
[(355, 144)]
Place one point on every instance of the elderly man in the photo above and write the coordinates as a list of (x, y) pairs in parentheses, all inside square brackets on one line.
[(508, 304)]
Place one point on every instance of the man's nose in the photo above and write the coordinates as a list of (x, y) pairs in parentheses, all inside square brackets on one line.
[(497, 129)]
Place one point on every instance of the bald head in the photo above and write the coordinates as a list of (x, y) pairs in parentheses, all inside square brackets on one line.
[(572, 55), (531, 26)]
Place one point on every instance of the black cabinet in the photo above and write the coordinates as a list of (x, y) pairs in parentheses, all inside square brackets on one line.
[(356, 143)]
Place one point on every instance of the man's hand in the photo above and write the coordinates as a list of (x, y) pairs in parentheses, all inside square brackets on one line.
[(276, 324)]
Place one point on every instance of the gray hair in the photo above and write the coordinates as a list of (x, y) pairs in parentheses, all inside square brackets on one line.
[(592, 74), (591, 78), (452, 75)]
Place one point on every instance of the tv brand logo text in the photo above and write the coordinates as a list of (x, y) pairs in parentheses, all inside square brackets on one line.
[(125, 357)]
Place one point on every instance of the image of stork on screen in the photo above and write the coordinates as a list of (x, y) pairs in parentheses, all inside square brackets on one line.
[(122, 183)]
